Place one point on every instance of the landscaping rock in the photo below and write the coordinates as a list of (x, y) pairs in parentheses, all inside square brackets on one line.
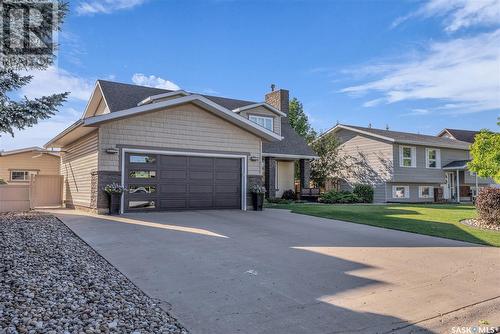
[(53, 282)]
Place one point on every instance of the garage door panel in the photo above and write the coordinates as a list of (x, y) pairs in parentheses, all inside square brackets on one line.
[(173, 174), (173, 203), (181, 188), (173, 162), (183, 182)]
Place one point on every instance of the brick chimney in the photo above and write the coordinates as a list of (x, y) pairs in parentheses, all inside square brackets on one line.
[(278, 99)]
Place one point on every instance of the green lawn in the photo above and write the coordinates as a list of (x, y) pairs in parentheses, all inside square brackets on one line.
[(438, 220)]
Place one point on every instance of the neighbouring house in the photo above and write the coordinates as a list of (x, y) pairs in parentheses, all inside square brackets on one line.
[(175, 150), (17, 166), (407, 167), (463, 135)]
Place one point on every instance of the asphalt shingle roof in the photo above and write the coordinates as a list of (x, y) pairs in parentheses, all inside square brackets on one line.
[(457, 164), (408, 137), (120, 96), (463, 135)]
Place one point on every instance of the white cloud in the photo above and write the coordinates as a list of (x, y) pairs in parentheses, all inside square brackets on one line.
[(57, 80), (462, 72), (153, 81), (105, 6), (458, 14), (418, 112)]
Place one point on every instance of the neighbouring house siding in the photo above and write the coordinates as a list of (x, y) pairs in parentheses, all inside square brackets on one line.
[(78, 161), (185, 127), (414, 192), (370, 161), (471, 179), (261, 111), (43, 163), (285, 178), (420, 173)]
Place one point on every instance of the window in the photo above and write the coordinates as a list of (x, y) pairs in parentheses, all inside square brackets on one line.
[(141, 204), (400, 192), (21, 175), (432, 158), (142, 159), (407, 156), (266, 122), (143, 174), (426, 191), (141, 189)]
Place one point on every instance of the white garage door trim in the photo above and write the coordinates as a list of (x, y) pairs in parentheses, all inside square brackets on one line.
[(191, 154)]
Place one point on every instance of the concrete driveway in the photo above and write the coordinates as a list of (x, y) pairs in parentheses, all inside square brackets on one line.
[(278, 272)]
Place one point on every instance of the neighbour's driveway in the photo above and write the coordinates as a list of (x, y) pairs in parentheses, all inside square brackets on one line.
[(278, 272)]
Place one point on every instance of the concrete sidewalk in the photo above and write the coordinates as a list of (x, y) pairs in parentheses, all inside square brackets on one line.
[(278, 272)]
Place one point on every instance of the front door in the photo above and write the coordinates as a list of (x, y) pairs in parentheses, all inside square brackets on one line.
[(450, 189)]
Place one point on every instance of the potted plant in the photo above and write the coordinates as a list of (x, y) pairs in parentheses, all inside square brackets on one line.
[(114, 191), (258, 192)]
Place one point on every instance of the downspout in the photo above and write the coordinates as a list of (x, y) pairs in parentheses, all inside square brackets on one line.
[(458, 186)]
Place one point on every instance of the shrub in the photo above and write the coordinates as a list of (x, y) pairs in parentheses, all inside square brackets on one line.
[(488, 206), (279, 201), (339, 197), (2, 181), (364, 192), (288, 194)]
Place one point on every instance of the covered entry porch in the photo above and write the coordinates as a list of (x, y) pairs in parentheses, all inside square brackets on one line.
[(281, 171), (460, 184)]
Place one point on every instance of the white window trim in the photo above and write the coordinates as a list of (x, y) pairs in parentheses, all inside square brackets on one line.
[(264, 118), (413, 156), (438, 158), (407, 192), (30, 172), (431, 193)]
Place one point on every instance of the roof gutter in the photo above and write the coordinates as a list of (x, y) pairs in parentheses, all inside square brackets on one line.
[(70, 128)]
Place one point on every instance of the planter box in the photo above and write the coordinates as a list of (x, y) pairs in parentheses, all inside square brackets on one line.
[(257, 201), (114, 203)]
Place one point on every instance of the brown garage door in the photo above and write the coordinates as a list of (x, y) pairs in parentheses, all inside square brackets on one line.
[(174, 182)]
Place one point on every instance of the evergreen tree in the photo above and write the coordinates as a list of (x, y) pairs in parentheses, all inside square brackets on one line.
[(25, 112)]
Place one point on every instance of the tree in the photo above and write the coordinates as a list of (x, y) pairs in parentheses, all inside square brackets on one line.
[(26, 112), (485, 154), (299, 120), (331, 163)]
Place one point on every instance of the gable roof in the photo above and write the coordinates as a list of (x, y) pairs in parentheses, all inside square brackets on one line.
[(199, 100), (404, 137), (463, 135), (120, 96)]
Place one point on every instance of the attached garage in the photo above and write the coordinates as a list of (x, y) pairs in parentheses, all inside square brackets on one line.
[(173, 181)]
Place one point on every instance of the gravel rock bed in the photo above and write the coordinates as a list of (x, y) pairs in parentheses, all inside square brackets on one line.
[(475, 223), (53, 282)]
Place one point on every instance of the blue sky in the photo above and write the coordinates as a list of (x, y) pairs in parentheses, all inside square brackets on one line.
[(416, 66)]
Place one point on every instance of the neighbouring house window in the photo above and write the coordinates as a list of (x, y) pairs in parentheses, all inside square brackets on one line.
[(433, 158), (426, 191), (141, 189), (142, 159), (266, 122), (21, 175), (143, 174), (407, 156), (400, 191)]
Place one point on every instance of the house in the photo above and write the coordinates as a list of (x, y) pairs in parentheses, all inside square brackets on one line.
[(463, 135), (406, 167), (175, 150), (17, 166)]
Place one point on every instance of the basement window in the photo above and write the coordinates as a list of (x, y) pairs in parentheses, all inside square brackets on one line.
[(400, 192)]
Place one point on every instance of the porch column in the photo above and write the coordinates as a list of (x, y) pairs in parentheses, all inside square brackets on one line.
[(305, 173), (270, 177), (458, 186)]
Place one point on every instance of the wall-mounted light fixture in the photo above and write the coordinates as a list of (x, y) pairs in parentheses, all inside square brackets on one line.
[(254, 158), (112, 150)]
